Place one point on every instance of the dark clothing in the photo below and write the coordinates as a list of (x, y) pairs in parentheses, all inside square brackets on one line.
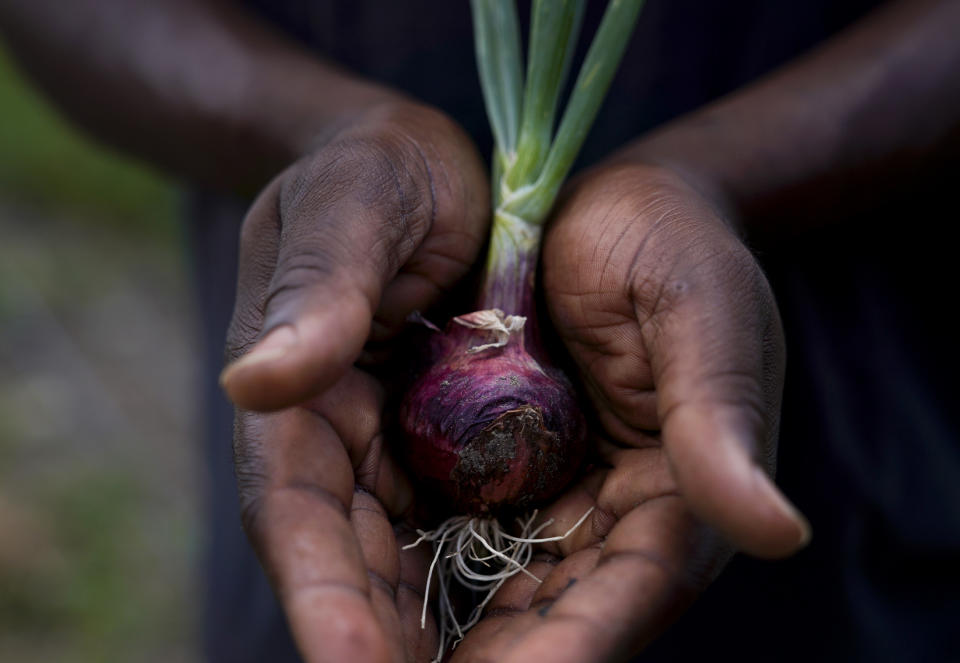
[(870, 441), (869, 451)]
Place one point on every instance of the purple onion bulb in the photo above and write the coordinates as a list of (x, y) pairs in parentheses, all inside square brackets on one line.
[(490, 423)]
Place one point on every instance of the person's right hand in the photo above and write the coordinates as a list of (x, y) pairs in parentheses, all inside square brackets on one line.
[(379, 221), (678, 342)]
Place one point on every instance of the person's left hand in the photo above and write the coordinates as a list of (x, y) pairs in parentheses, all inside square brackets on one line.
[(679, 345), (383, 217)]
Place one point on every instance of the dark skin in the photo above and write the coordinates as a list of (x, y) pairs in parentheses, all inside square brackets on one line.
[(663, 310), (321, 492), (294, 466)]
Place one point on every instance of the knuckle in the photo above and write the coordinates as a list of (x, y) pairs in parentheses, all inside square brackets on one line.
[(382, 177)]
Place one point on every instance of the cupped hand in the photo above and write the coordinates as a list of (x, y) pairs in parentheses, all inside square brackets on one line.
[(679, 346), (379, 221)]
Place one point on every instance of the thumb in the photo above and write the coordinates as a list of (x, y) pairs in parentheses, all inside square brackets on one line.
[(708, 452), (317, 249), (719, 370)]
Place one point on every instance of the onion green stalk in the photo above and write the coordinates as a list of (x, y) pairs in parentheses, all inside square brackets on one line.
[(531, 159)]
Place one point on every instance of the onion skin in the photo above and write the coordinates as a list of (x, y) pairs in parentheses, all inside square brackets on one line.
[(493, 430)]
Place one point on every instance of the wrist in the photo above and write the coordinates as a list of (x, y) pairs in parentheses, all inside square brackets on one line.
[(293, 104), (312, 106)]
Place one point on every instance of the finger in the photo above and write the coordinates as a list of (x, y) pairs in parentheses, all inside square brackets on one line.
[(637, 476), (460, 213), (351, 218), (259, 243), (445, 256), (297, 489), (564, 575), (587, 258), (517, 594), (421, 637), (254, 377), (574, 518), (353, 408), (717, 361), (380, 554)]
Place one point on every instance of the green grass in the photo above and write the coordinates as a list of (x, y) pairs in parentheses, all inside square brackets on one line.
[(46, 163)]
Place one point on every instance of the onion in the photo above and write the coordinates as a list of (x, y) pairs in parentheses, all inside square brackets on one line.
[(490, 422), (489, 425)]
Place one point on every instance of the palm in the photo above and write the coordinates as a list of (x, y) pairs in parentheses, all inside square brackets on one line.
[(610, 586)]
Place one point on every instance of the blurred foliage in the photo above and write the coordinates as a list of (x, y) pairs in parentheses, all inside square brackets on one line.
[(46, 163), (98, 529), (80, 580)]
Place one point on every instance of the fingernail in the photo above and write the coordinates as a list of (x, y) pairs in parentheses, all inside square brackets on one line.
[(270, 348), (776, 498)]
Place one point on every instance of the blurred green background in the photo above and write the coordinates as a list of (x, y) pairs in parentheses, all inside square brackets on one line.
[(98, 423)]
